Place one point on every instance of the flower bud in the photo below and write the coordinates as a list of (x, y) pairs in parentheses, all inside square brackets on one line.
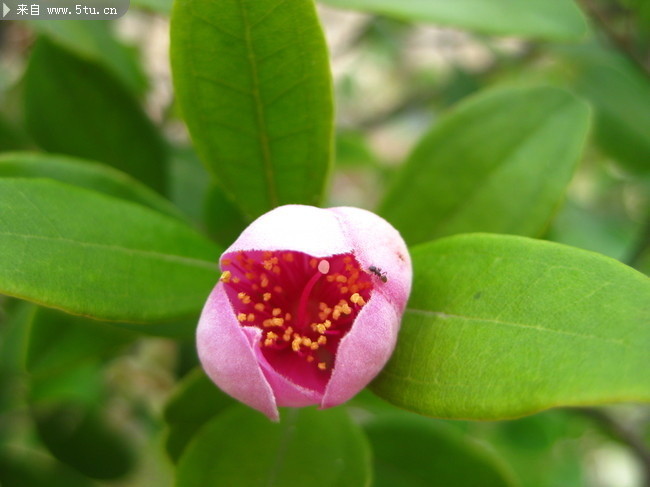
[(307, 309)]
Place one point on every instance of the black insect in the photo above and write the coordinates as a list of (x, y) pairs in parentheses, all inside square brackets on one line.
[(378, 272)]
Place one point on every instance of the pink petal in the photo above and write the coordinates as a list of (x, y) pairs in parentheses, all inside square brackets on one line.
[(288, 394), (377, 243), (306, 229), (228, 357), (364, 351)]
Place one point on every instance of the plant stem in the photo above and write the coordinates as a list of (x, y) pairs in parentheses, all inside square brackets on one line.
[(620, 42)]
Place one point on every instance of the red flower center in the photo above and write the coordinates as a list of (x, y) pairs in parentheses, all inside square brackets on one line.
[(303, 305)]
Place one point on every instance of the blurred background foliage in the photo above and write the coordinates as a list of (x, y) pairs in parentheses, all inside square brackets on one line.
[(83, 404)]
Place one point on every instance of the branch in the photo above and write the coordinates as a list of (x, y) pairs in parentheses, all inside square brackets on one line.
[(621, 43)]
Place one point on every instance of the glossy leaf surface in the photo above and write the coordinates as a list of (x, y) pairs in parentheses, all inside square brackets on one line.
[(114, 260), (500, 326), (253, 81), (499, 163), (83, 173)]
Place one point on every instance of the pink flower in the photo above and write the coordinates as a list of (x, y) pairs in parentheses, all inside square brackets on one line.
[(307, 309)]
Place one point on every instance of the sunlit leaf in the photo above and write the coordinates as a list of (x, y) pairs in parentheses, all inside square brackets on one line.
[(499, 163), (86, 174), (500, 326), (90, 254), (253, 82)]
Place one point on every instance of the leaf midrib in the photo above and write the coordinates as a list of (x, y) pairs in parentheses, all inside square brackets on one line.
[(190, 261), (443, 315), (260, 116)]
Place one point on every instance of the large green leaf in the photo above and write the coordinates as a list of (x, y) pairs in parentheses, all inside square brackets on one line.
[(501, 326), (412, 451), (74, 106), (94, 41), (195, 401), (86, 174), (308, 447), (90, 254), (498, 163), (253, 81), (553, 20)]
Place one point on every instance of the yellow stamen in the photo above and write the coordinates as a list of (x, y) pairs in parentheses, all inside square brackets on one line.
[(266, 296), (225, 276), (322, 365), (241, 317)]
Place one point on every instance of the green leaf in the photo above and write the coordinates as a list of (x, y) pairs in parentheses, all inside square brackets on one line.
[(196, 400), (554, 20), (307, 447), (620, 94), (90, 254), (189, 183), (261, 116), (499, 163), (74, 106), (412, 451), (11, 137), (59, 341), (86, 174), (25, 469), (95, 42), (81, 385), (223, 221), (500, 326), (83, 439)]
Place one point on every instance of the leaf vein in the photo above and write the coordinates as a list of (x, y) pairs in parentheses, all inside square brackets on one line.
[(442, 315), (192, 261)]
